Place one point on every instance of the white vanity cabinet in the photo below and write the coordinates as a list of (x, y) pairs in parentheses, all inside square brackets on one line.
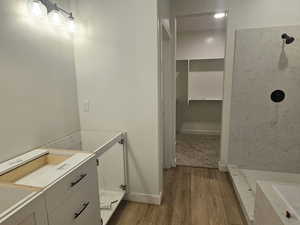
[(80, 184), (33, 213), (59, 188), (75, 198)]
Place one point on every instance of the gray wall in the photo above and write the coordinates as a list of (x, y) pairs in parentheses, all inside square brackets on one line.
[(181, 91), (37, 85), (250, 14), (264, 134)]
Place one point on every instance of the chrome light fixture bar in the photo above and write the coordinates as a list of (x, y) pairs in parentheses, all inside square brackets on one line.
[(53, 6)]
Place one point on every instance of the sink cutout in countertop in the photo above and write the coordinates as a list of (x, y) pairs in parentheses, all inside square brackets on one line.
[(42, 171), (51, 171)]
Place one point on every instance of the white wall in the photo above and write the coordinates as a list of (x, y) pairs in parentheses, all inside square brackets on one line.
[(201, 44), (116, 57), (188, 7), (250, 14), (37, 85)]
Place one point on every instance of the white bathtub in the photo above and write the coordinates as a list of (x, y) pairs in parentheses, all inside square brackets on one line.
[(290, 194), (245, 185), (277, 203)]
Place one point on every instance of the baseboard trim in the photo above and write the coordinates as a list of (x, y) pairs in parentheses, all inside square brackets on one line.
[(222, 166), (144, 198), (208, 132)]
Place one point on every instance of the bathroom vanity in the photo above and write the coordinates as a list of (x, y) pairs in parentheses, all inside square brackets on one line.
[(56, 185), (52, 187), (109, 149)]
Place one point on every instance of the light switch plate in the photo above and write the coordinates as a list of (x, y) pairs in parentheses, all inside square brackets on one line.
[(86, 106)]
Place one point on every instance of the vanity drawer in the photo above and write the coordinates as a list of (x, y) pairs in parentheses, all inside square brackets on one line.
[(81, 209), (74, 182)]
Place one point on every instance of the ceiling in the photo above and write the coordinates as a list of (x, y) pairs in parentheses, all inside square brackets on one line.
[(200, 23)]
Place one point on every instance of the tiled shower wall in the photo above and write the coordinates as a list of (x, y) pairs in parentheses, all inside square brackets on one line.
[(263, 134)]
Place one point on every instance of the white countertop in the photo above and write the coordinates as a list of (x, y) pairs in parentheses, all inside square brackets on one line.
[(11, 197), (14, 194)]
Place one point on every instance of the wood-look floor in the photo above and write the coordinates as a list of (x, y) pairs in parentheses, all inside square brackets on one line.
[(192, 196)]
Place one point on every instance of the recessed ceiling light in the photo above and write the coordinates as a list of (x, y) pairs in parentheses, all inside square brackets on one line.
[(220, 15)]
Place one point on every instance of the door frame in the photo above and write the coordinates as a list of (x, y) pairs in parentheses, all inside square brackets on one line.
[(167, 95), (223, 158)]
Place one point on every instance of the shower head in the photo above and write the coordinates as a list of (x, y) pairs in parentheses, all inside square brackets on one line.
[(288, 39)]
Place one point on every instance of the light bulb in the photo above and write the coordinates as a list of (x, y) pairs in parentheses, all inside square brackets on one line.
[(220, 15), (37, 8), (55, 17), (71, 25)]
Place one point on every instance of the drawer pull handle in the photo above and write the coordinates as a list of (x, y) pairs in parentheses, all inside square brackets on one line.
[(78, 180), (84, 206)]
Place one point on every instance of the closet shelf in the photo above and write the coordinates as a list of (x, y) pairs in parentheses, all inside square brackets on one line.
[(196, 59), (206, 99)]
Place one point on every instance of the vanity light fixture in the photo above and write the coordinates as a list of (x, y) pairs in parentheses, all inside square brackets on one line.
[(56, 15), (37, 8), (71, 24), (220, 15)]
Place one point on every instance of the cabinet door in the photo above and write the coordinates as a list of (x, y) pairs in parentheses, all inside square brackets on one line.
[(111, 169), (112, 179), (33, 213)]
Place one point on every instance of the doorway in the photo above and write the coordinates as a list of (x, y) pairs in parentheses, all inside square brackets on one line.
[(167, 97), (200, 52)]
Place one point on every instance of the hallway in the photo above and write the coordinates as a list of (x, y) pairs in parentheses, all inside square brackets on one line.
[(192, 196)]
